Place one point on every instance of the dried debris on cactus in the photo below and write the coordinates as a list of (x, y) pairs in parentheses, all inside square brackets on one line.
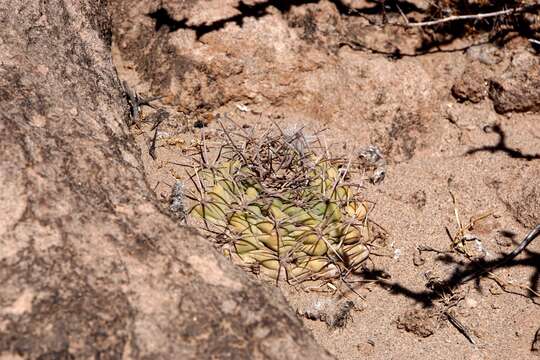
[(177, 201), (279, 203), (375, 160), (335, 315)]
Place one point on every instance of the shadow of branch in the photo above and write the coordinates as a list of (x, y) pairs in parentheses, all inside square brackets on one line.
[(501, 146), (435, 288)]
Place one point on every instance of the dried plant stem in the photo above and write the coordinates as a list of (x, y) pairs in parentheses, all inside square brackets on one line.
[(460, 327), (471, 17), (505, 284)]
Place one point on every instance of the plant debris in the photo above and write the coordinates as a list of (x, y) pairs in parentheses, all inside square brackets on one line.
[(375, 159), (460, 327), (462, 235), (335, 315), (177, 201)]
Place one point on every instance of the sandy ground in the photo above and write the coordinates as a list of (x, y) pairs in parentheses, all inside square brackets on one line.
[(433, 145)]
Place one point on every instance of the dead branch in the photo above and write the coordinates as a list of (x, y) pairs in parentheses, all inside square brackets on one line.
[(472, 16), (460, 327)]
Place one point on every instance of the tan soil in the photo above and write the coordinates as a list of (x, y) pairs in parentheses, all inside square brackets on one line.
[(288, 66)]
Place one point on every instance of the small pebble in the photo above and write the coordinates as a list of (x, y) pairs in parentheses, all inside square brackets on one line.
[(471, 303)]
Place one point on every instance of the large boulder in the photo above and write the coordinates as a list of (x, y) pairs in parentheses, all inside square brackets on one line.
[(90, 266)]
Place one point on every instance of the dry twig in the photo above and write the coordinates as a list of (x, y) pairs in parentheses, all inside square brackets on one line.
[(472, 16), (506, 286), (461, 328)]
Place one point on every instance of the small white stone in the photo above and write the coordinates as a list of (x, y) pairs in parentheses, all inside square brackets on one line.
[(471, 303)]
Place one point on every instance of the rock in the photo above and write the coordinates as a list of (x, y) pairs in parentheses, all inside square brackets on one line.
[(318, 24), (370, 5), (359, 4), (422, 5), (201, 14), (422, 323), (289, 59), (471, 302), (518, 88), (90, 267), (487, 54), (471, 86)]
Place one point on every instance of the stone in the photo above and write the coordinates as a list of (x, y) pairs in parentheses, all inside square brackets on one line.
[(517, 89), (472, 85), (90, 265)]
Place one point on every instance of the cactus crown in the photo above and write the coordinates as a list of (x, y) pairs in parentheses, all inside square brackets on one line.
[(282, 208)]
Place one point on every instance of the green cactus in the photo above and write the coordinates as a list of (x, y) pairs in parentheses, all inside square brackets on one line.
[(281, 206)]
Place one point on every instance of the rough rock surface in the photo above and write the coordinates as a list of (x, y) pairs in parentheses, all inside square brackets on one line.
[(289, 59), (518, 88), (90, 266), (471, 86)]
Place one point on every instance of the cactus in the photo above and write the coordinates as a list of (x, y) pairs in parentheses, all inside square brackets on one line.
[(279, 205)]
